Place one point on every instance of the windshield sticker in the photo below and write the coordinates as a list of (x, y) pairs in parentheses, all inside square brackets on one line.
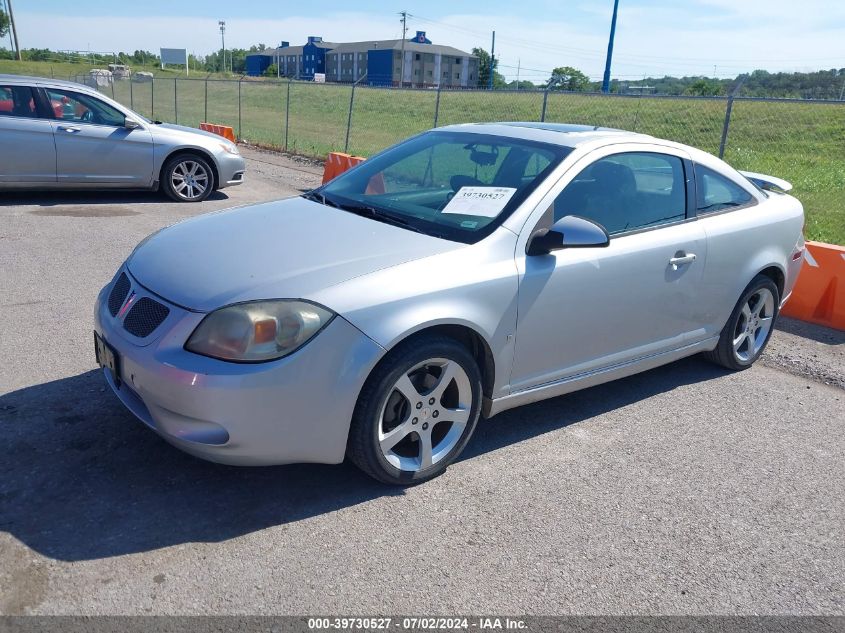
[(468, 224), (486, 202)]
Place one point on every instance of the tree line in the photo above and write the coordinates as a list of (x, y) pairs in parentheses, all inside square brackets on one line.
[(820, 84)]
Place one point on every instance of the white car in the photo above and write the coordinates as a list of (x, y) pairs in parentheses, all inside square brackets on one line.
[(466, 271)]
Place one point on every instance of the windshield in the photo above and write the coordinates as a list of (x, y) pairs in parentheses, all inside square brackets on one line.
[(455, 185)]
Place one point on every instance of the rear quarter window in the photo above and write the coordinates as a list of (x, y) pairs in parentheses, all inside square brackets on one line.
[(715, 192)]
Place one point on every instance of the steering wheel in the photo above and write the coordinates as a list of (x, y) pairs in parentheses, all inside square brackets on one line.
[(457, 181), (88, 115)]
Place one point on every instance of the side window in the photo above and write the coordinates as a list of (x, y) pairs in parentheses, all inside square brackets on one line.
[(624, 192), (17, 101), (81, 108), (714, 192)]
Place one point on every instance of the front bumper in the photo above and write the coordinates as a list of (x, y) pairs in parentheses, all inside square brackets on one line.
[(230, 169), (296, 409)]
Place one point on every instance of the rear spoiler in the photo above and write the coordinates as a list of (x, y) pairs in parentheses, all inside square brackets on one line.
[(768, 183)]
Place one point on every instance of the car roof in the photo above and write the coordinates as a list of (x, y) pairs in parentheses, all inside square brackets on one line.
[(565, 134), (26, 80)]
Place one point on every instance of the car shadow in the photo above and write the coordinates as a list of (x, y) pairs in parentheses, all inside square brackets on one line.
[(818, 333), (81, 479), (58, 198)]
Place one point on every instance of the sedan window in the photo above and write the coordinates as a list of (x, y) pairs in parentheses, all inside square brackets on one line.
[(17, 101), (714, 192), (81, 108), (625, 192)]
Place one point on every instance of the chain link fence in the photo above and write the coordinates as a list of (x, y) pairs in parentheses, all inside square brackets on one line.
[(801, 141)]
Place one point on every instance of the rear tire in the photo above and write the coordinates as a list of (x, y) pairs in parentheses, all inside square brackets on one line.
[(745, 335), (416, 412), (187, 178)]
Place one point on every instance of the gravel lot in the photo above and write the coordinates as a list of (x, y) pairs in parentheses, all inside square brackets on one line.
[(684, 490)]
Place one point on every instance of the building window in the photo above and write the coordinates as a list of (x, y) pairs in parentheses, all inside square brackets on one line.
[(470, 76), (416, 72), (457, 75), (445, 74), (457, 60), (417, 57), (429, 73)]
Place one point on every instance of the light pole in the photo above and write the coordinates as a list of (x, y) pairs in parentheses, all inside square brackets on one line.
[(13, 29), (222, 24), (605, 85)]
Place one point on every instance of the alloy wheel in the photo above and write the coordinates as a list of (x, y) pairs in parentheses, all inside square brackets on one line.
[(189, 179), (753, 325), (425, 414)]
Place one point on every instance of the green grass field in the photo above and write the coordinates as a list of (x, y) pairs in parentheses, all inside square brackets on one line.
[(803, 142)]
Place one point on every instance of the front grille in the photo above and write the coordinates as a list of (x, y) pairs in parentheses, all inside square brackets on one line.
[(118, 293), (144, 317)]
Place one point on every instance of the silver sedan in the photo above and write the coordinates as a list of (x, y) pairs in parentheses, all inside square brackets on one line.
[(67, 136), (465, 271)]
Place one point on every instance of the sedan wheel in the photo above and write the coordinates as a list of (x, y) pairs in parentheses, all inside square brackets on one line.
[(188, 179), (749, 327), (416, 412)]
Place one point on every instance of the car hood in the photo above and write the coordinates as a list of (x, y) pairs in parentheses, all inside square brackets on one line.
[(169, 129), (290, 248)]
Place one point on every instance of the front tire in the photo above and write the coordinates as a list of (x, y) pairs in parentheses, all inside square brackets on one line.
[(187, 178), (749, 327), (416, 412)]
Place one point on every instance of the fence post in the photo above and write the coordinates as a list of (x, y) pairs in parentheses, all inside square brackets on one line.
[(545, 101), (726, 125), (723, 143), (349, 119), (437, 106), (175, 103), (131, 95), (239, 107), (287, 115), (205, 112), (153, 99), (112, 87)]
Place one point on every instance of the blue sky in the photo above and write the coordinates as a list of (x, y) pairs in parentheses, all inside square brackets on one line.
[(653, 37)]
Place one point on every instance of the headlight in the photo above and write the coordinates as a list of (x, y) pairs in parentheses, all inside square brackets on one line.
[(230, 148), (258, 331)]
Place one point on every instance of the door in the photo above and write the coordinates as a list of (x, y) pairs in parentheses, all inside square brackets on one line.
[(27, 153), (584, 309), (93, 145)]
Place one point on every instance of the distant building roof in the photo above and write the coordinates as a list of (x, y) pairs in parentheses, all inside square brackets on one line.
[(292, 50), (355, 47), (347, 47)]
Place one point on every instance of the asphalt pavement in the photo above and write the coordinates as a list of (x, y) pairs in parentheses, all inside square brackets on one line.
[(683, 490)]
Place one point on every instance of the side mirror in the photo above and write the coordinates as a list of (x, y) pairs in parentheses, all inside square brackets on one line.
[(131, 124), (570, 231)]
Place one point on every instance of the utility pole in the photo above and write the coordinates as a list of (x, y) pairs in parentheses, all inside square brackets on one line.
[(13, 29), (605, 85), (518, 64), (492, 59), (222, 25), (404, 21)]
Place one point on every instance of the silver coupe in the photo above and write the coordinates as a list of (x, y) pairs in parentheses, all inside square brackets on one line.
[(460, 273)]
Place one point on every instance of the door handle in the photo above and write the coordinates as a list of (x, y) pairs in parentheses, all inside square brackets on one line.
[(68, 129), (681, 258)]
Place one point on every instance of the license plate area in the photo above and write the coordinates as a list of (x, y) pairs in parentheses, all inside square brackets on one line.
[(107, 357)]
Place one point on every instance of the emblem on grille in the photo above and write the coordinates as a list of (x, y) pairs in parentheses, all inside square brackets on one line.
[(127, 304)]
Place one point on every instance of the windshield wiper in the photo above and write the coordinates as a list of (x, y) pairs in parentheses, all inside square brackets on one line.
[(315, 195), (363, 210)]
